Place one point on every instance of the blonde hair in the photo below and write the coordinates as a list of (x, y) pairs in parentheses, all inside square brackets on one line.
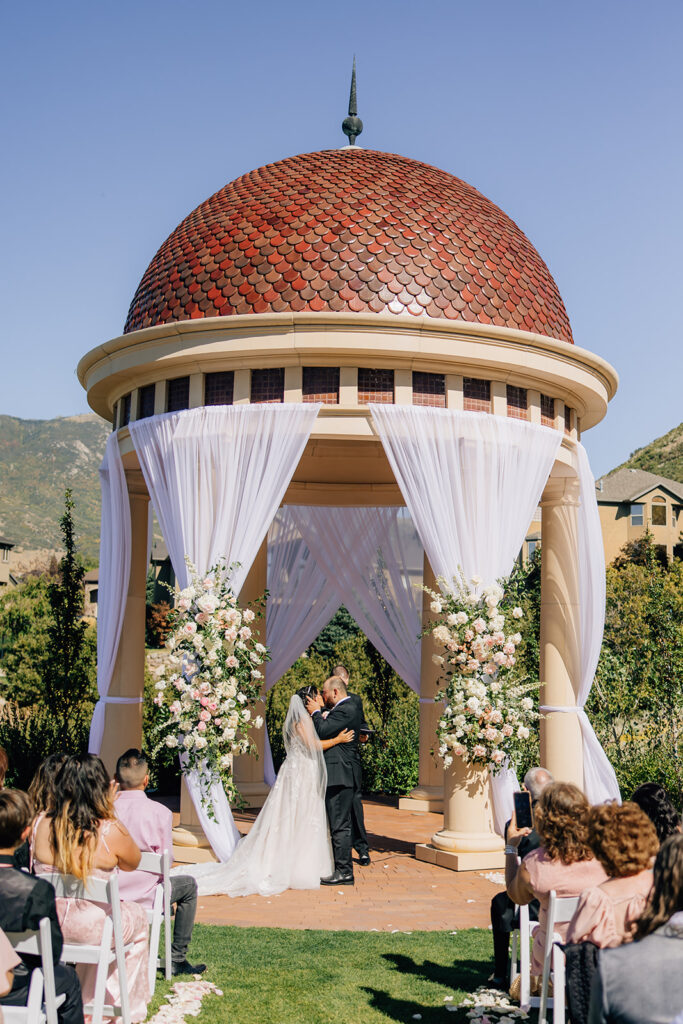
[(83, 800)]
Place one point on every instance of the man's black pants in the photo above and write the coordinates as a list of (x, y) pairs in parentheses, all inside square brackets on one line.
[(359, 835), (66, 983), (504, 920), (339, 803)]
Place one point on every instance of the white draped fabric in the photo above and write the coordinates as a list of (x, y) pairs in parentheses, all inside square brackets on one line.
[(301, 601), (599, 780), (471, 482), (216, 476), (374, 563), (115, 548), (221, 831)]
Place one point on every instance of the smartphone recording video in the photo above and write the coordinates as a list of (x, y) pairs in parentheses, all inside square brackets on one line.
[(523, 813)]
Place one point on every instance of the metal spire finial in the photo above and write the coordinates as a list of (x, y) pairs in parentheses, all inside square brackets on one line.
[(352, 125)]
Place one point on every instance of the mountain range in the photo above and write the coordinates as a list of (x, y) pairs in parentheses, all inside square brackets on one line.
[(40, 458)]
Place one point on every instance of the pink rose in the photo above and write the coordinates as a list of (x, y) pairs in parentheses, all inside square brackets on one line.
[(195, 694), (509, 648), (218, 722), (212, 705), (479, 751), (232, 661), (175, 707), (497, 756), (231, 634), (510, 661), (469, 635), (201, 618), (489, 640), (458, 750), (189, 628), (204, 702), (205, 716), (479, 625), (159, 699), (496, 717), (201, 727), (507, 730), (490, 735)]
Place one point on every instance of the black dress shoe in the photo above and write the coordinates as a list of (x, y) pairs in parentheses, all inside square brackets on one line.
[(363, 859), (337, 878), (183, 967)]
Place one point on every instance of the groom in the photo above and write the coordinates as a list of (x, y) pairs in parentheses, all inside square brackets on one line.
[(343, 770)]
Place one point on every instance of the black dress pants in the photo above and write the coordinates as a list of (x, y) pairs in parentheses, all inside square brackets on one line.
[(339, 803), (360, 836), (504, 921), (66, 983)]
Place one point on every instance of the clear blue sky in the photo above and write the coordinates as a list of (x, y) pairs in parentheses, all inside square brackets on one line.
[(118, 119)]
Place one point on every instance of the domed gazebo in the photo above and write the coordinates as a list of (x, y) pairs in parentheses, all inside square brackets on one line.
[(351, 278)]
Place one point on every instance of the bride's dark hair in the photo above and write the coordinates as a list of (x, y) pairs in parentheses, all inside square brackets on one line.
[(307, 691)]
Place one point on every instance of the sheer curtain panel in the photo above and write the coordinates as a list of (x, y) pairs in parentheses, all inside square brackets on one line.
[(216, 476), (115, 548), (472, 482)]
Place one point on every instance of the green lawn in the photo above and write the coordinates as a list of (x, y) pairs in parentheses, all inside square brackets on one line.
[(278, 976)]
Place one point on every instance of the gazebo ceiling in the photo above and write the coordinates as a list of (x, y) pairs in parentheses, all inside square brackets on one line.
[(355, 231)]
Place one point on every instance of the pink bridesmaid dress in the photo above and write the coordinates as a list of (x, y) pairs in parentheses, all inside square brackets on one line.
[(83, 921)]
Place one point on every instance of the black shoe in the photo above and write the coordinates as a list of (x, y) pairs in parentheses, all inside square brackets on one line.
[(184, 967), (363, 859), (497, 982), (337, 878)]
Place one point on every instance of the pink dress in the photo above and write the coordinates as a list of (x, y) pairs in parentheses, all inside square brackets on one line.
[(607, 914), (567, 880), (83, 920)]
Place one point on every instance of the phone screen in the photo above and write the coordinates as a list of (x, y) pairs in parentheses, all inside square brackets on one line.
[(523, 810)]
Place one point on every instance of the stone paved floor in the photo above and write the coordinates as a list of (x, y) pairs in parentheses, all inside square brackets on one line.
[(396, 892)]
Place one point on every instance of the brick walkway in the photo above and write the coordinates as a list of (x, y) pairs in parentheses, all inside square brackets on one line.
[(395, 892)]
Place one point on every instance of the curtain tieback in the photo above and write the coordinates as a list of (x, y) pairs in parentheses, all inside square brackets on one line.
[(122, 700), (568, 708), (430, 700)]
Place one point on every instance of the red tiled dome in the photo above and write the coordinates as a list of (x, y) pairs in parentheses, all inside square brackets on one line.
[(350, 230)]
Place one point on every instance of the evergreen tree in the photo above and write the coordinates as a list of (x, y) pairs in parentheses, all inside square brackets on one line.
[(69, 663)]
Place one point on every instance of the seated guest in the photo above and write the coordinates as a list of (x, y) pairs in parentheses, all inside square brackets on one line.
[(9, 959), (24, 900), (625, 842), (41, 793), (503, 911), (80, 836), (564, 861), (150, 824), (653, 799), (641, 982)]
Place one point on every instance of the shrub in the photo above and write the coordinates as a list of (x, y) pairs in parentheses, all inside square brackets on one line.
[(29, 734)]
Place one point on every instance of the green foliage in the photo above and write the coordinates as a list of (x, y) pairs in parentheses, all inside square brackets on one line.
[(70, 668), (636, 704), (37, 459), (24, 621), (29, 734), (391, 758), (341, 627), (663, 456)]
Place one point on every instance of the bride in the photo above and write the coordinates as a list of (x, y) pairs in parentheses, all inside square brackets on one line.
[(288, 846)]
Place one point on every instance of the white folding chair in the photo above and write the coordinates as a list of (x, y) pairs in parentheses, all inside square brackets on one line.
[(561, 910), (520, 948), (102, 954), (43, 1002), (159, 864)]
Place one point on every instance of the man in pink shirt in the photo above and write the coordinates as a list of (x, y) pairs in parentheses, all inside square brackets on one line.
[(150, 824)]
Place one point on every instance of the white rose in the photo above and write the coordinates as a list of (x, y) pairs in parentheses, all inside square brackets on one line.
[(436, 660), (246, 714), (201, 742), (226, 761), (527, 703), (241, 698), (476, 580), (249, 616), (517, 613), (258, 722), (171, 741), (207, 603), (447, 761), (228, 734), (255, 674), (436, 607), (522, 733), (188, 741)]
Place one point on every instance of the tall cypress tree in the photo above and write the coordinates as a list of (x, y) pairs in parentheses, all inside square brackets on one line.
[(69, 662)]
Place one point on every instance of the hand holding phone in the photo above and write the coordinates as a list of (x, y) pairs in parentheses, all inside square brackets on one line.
[(523, 813)]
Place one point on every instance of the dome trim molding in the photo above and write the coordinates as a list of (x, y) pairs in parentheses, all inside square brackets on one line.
[(343, 339)]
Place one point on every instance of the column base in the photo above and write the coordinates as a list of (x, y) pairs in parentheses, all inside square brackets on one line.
[(190, 846), (468, 842), (460, 861), (254, 793), (423, 798)]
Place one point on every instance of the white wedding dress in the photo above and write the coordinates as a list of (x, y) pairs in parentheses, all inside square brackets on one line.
[(288, 846)]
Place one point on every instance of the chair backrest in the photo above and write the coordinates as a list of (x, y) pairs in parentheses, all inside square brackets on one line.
[(38, 942), (98, 890), (561, 910)]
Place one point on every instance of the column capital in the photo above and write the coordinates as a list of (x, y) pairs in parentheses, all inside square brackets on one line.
[(135, 482), (560, 490)]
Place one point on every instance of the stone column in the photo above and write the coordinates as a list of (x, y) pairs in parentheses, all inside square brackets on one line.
[(249, 769), (428, 794), (123, 722), (560, 656)]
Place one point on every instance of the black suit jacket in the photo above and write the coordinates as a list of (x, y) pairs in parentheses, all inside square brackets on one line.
[(24, 899), (358, 699), (342, 760)]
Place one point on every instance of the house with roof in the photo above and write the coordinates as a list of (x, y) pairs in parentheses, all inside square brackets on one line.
[(632, 501), (7, 578)]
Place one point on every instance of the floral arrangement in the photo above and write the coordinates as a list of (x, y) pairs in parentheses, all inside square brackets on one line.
[(207, 691), (487, 713)]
